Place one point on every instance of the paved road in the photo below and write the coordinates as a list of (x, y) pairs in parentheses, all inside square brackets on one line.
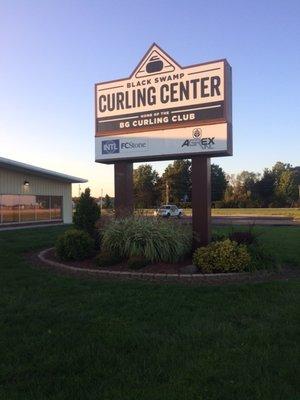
[(253, 220)]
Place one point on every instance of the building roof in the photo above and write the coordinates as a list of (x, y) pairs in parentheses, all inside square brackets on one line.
[(31, 169)]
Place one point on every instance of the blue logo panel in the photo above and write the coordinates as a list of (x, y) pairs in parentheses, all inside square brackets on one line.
[(111, 146)]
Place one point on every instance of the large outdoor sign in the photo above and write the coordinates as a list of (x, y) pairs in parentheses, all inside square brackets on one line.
[(164, 111)]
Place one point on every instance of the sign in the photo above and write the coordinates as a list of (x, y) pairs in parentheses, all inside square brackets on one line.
[(164, 111)]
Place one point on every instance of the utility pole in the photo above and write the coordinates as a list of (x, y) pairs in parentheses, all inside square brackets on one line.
[(101, 200), (167, 193)]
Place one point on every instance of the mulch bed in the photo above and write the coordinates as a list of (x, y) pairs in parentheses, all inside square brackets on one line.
[(158, 268), (169, 273)]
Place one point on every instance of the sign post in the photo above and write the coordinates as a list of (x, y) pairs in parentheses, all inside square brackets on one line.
[(201, 200), (163, 111), (123, 189)]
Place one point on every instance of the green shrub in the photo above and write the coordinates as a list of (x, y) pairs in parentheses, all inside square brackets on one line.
[(137, 262), (74, 244), (87, 213), (224, 256), (155, 240)]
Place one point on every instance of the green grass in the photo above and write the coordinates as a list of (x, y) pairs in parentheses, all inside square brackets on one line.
[(70, 338), (227, 212), (282, 241), (262, 212)]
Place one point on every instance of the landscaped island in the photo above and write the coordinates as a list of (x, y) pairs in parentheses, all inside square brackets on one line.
[(164, 245), (62, 336)]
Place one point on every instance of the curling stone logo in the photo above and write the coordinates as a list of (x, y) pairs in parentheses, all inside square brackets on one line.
[(156, 63)]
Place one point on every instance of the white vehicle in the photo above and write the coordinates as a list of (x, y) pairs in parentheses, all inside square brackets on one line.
[(168, 210)]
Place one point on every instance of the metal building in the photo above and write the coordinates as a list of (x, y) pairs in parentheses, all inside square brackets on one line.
[(33, 195)]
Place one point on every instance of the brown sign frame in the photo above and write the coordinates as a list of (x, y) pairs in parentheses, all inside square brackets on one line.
[(201, 172), (227, 114)]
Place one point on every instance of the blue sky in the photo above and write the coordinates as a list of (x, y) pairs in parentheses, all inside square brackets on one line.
[(52, 53)]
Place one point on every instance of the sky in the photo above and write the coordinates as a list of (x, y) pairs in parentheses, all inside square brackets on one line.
[(53, 52)]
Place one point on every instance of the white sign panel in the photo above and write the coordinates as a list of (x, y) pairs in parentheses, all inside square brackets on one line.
[(160, 109)]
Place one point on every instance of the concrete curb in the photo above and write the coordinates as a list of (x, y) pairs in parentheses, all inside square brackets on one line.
[(141, 275)]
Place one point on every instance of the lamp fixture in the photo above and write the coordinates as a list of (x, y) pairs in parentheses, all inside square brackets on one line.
[(26, 183)]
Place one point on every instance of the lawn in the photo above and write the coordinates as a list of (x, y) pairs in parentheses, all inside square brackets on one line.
[(70, 338), (282, 241), (262, 212), (229, 212)]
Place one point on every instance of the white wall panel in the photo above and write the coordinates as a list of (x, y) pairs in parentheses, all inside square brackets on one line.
[(12, 182)]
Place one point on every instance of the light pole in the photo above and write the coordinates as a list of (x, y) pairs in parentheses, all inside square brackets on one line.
[(101, 200), (167, 193)]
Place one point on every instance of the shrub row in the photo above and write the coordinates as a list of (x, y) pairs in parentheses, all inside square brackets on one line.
[(142, 241)]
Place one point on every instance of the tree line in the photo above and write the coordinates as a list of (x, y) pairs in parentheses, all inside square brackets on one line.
[(275, 187)]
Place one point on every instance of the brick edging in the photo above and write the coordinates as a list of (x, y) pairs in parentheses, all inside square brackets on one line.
[(144, 275)]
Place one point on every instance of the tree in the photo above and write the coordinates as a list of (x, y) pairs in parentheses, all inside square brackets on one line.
[(144, 186), (177, 178), (296, 171), (107, 203), (266, 187), (279, 168), (278, 186), (287, 188), (86, 213), (219, 183), (248, 181), (244, 187)]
